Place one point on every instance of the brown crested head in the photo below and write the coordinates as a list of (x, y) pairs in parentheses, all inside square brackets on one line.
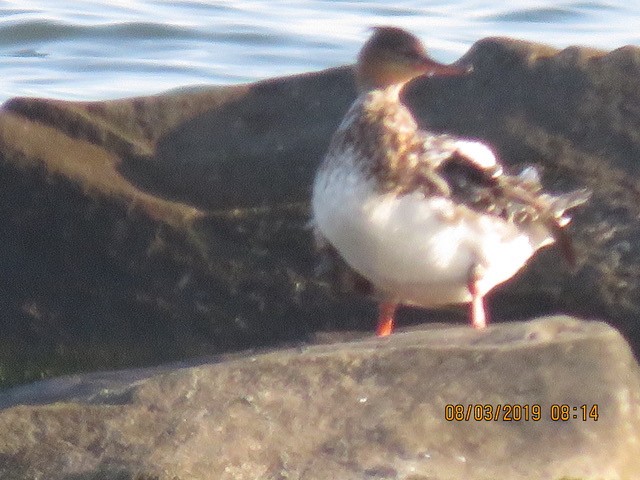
[(393, 56)]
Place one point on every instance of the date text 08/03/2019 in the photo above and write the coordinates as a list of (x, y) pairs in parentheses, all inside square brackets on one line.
[(515, 412)]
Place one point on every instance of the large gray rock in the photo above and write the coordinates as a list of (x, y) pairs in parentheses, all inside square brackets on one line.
[(151, 229), (366, 409)]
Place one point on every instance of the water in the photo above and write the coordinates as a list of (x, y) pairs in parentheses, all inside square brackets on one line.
[(92, 49)]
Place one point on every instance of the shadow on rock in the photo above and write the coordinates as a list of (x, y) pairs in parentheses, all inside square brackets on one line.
[(144, 230)]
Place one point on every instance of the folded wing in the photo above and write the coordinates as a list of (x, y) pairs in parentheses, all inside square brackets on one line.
[(469, 172)]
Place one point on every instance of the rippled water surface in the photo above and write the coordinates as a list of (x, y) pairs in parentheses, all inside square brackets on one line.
[(91, 49)]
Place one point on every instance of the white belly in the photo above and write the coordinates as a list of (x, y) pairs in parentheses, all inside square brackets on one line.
[(417, 250)]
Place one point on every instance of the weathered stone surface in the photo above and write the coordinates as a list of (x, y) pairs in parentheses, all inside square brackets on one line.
[(109, 257), (157, 228), (369, 408), (576, 114)]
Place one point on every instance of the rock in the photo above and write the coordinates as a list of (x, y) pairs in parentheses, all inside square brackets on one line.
[(152, 229), (112, 259), (575, 114), (369, 408)]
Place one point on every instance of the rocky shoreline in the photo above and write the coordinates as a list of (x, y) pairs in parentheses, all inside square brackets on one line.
[(157, 229)]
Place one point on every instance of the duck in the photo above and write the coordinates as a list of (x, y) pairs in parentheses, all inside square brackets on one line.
[(424, 218)]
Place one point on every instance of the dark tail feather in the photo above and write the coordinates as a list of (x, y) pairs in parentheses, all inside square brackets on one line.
[(563, 242)]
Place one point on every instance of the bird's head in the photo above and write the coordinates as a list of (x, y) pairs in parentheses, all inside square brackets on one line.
[(393, 56)]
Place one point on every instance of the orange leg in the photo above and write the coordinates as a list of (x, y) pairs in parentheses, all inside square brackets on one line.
[(478, 313), (386, 317)]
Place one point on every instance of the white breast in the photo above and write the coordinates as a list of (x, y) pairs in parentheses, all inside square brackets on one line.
[(417, 250)]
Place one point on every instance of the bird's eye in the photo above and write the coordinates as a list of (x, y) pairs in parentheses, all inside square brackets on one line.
[(412, 54), (408, 54)]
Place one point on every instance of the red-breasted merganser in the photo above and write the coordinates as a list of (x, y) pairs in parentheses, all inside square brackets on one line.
[(428, 219)]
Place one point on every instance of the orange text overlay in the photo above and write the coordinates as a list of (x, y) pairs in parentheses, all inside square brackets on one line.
[(515, 412)]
